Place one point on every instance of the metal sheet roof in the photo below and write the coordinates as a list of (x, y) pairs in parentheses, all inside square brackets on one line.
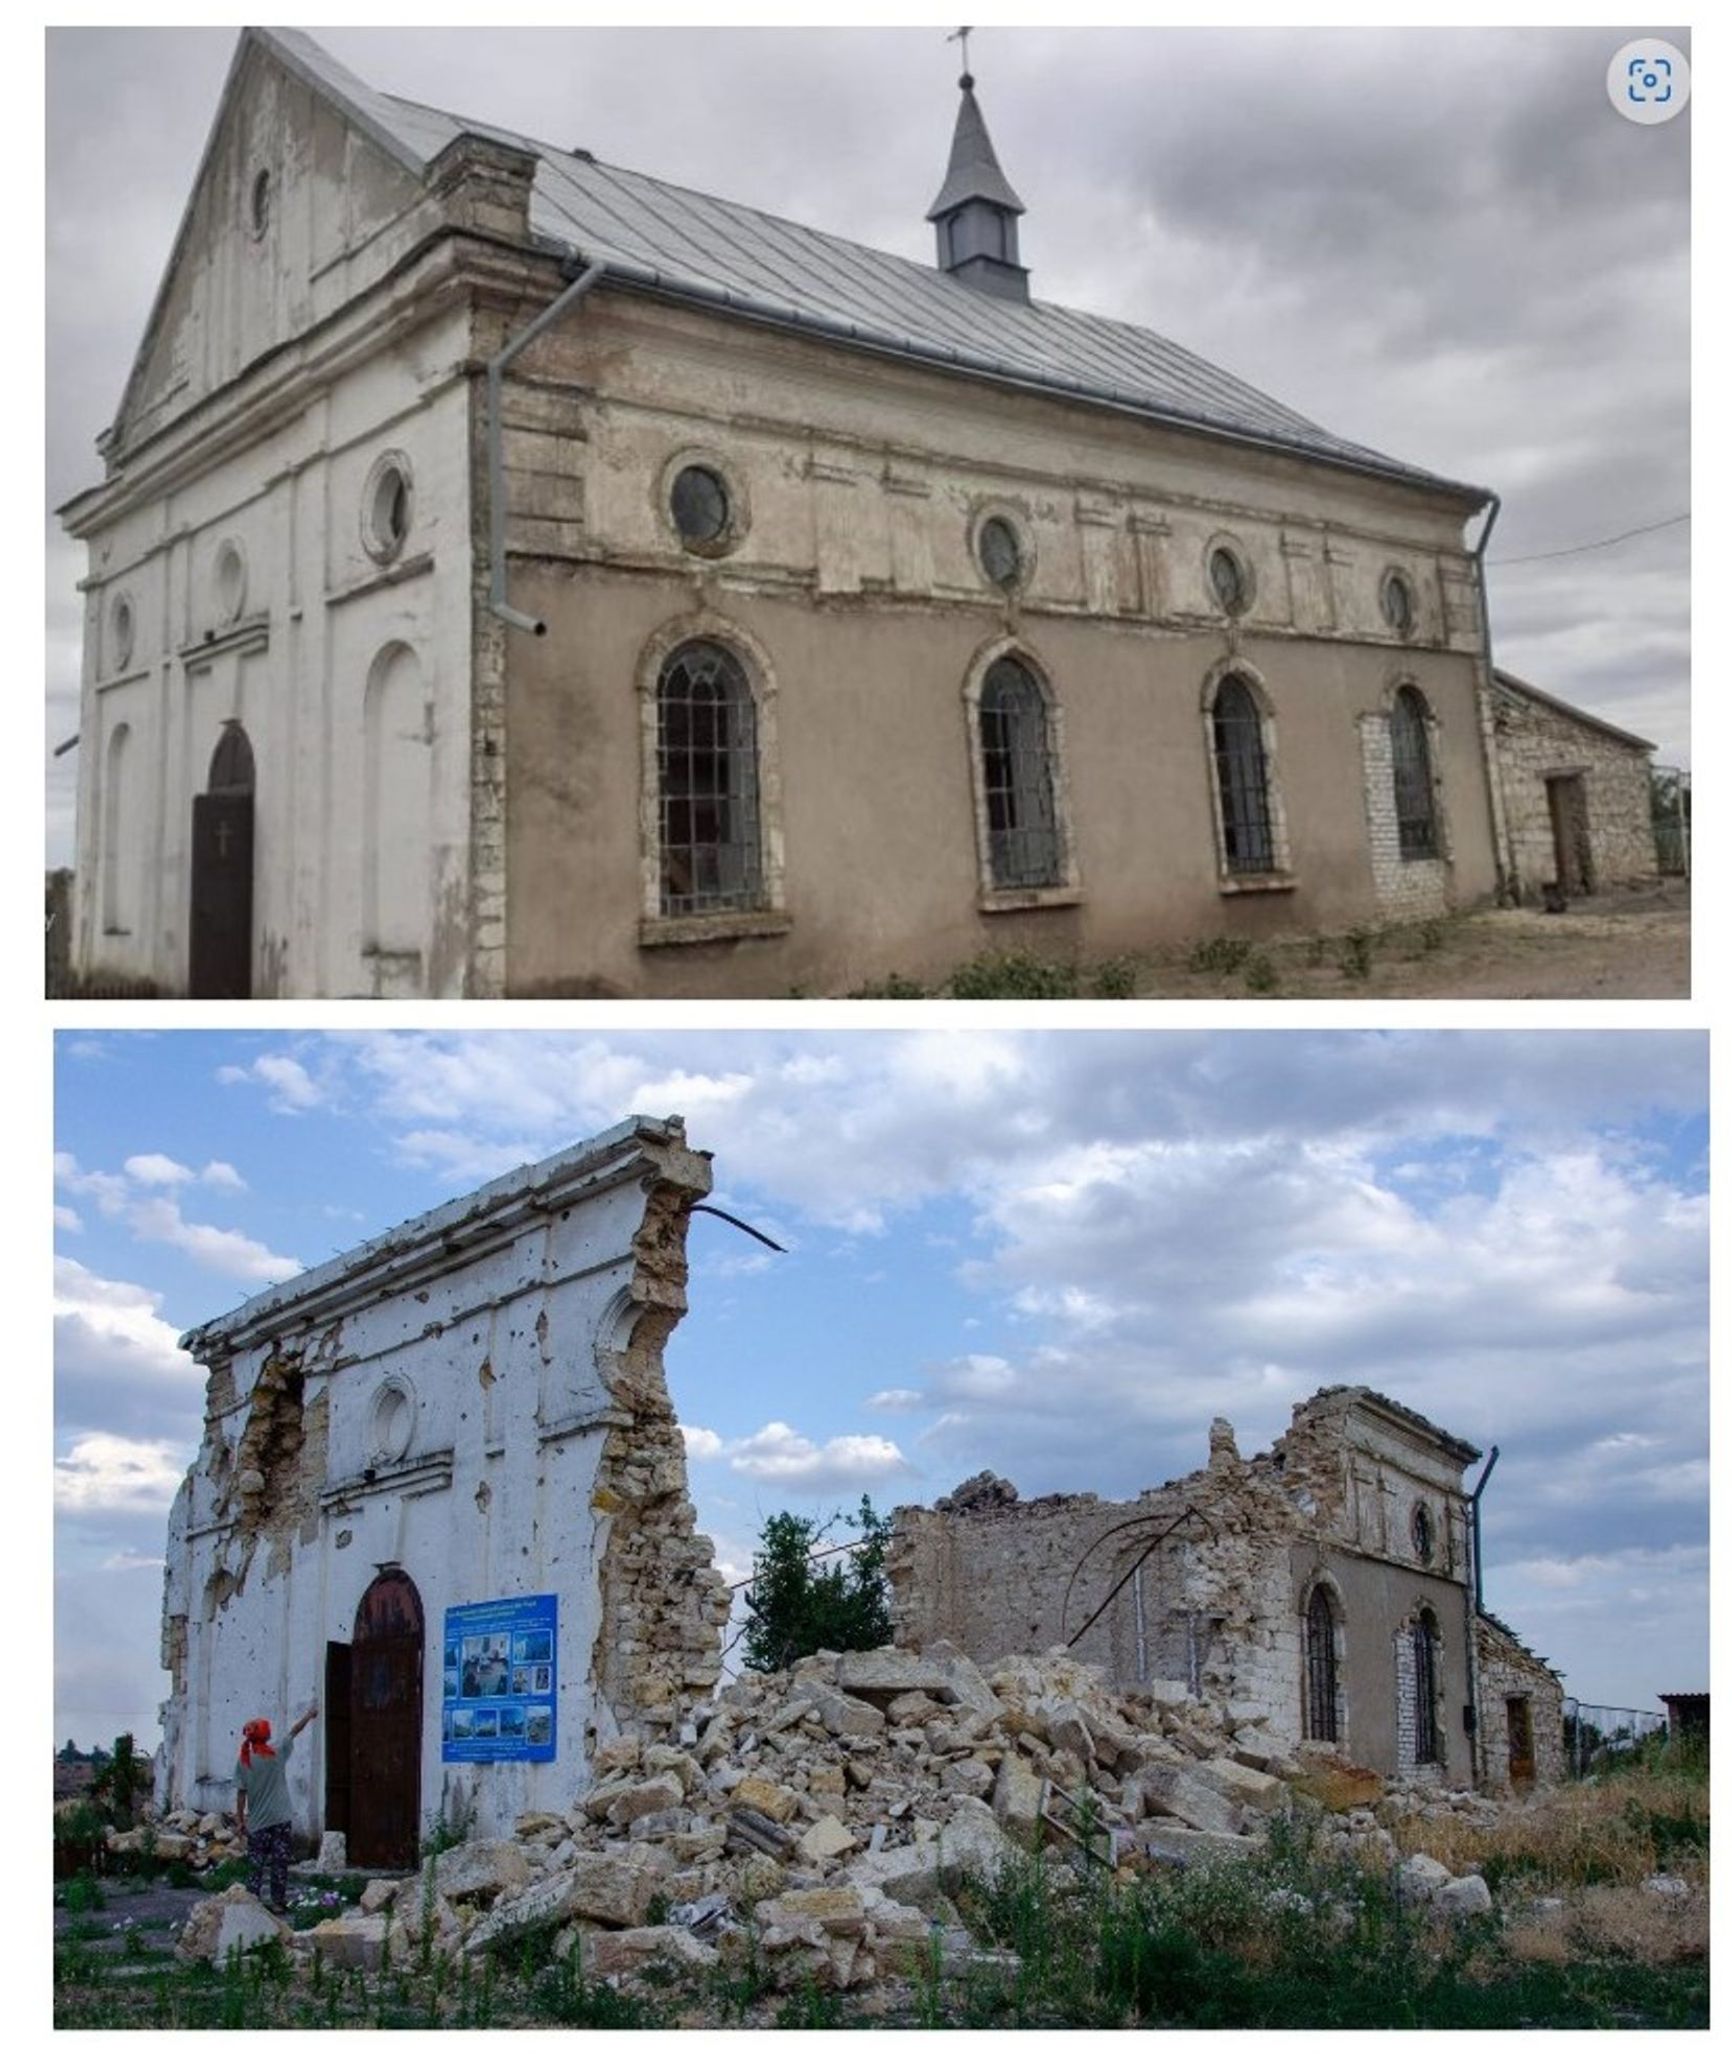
[(696, 246)]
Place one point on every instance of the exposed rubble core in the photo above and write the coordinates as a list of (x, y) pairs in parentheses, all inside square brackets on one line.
[(1325, 1586)]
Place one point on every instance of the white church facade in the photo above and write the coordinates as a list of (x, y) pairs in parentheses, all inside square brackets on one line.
[(518, 576)]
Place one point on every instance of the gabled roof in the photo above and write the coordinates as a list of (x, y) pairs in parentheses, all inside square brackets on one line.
[(1526, 690), (695, 247)]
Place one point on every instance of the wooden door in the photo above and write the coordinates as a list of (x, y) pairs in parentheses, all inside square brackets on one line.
[(220, 934), (1567, 799), (1521, 1740), (385, 1670)]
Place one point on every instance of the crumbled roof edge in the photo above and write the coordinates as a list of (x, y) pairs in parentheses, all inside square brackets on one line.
[(537, 1184), (1497, 1624), (1525, 689), (1411, 1417)]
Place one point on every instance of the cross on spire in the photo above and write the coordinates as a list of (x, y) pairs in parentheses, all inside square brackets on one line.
[(961, 36)]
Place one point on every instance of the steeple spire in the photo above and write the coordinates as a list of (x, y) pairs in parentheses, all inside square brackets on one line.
[(976, 209)]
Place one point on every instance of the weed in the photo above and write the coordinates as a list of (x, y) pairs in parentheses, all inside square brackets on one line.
[(1355, 955), (1013, 976), (82, 1894), (1220, 955), (1260, 974), (895, 988), (1114, 979)]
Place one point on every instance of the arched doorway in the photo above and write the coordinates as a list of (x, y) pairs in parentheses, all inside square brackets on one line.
[(220, 950), (373, 1743)]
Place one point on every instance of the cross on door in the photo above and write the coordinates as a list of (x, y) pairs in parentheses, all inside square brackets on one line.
[(224, 831)]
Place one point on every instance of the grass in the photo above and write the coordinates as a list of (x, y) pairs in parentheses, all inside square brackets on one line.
[(1299, 1938)]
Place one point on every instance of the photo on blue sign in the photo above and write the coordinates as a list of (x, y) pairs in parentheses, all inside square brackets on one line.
[(498, 1654)]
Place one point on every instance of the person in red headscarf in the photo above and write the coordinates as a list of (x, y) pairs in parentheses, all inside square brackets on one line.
[(262, 1804)]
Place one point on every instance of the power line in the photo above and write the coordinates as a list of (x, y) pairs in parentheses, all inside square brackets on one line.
[(1600, 544)]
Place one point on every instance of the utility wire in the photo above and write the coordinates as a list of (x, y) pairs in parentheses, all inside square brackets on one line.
[(1601, 544)]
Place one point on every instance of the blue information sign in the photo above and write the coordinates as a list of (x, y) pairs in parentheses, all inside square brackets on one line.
[(501, 1676)]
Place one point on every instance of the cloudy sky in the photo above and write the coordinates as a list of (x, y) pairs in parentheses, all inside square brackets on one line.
[(1442, 243), (1056, 1255)]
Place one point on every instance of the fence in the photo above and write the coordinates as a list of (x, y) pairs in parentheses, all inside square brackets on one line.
[(1596, 1734), (1671, 818)]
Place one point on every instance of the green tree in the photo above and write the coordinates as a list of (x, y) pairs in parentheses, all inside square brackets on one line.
[(809, 1597), (122, 1779)]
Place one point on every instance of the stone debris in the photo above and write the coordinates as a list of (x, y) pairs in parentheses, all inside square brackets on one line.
[(818, 1823), (234, 1921)]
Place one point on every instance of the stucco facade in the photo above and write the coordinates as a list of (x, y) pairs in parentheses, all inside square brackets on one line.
[(468, 1409), (1325, 1588), (293, 544)]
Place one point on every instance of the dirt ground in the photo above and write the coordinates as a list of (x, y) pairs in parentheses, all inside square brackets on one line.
[(1629, 944)]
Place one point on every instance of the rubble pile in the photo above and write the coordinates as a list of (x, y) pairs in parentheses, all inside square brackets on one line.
[(818, 1820), (201, 1841)]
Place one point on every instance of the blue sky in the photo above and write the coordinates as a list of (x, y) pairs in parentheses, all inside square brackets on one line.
[(1055, 1254)]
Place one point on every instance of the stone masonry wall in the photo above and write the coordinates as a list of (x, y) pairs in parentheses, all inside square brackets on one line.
[(1506, 1669), (1536, 742)]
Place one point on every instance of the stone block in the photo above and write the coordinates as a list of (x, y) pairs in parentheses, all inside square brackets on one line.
[(603, 1888), (768, 1798), (646, 1799), (1167, 1840), (1336, 1785), (1466, 1896), (828, 1839), (1244, 1785), (350, 1941), (333, 1853), (478, 1870), (608, 1954), (840, 1911), (234, 1921), (1016, 1800), (1183, 1793)]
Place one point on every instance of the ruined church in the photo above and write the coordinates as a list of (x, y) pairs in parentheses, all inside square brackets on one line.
[(441, 1488), (516, 575)]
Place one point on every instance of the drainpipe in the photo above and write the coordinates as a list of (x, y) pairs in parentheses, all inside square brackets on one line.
[(1507, 884), (496, 370), (1473, 1615)]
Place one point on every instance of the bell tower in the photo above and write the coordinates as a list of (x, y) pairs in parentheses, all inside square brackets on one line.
[(976, 209)]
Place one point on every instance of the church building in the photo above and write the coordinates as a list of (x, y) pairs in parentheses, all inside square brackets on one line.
[(514, 575)]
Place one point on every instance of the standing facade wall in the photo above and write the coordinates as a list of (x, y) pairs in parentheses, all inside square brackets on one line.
[(474, 1401)]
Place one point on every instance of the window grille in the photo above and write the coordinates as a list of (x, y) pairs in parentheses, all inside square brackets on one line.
[(707, 768), (1242, 775), (1410, 748), (1016, 762), (1425, 1750), (1320, 1682)]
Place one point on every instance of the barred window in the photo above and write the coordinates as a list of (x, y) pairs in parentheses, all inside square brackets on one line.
[(1425, 1742), (1410, 749), (1242, 778), (1320, 1677), (707, 770), (1017, 775)]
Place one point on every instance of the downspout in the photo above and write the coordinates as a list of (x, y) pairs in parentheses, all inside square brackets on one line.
[(1473, 1616), (1508, 886), (496, 370)]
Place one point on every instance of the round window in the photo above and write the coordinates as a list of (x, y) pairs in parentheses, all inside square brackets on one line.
[(1229, 579), (259, 203), (1398, 604), (122, 624), (386, 508), (393, 1421), (1000, 551), (699, 503), (231, 582), (1422, 1538)]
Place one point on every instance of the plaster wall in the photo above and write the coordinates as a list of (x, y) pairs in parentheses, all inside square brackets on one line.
[(853, 597), (524, 1328)]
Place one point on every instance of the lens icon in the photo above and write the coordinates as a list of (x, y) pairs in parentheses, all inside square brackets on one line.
[(1649, 81)]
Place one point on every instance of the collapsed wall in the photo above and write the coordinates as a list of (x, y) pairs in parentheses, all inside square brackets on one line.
[(1324, 1585), (467, 1413)]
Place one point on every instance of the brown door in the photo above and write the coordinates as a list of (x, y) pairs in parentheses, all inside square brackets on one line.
[(220, 936), (1521, 1740), (1567, 799), (385, 1663)]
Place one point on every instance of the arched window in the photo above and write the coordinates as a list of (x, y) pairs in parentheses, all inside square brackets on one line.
[(1017, 779), (1242, 779), (231, 763), (1320, 1669), (1410, 751), (707, 775), (1425, 1743)]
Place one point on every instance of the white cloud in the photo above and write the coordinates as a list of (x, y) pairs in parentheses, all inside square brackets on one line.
[(779, 1454), (896, 1401), (292, 1088), (127, 1476), (66, 1219), (156, 1169), (219, 1173), (228, 1252), (700, 1443)]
